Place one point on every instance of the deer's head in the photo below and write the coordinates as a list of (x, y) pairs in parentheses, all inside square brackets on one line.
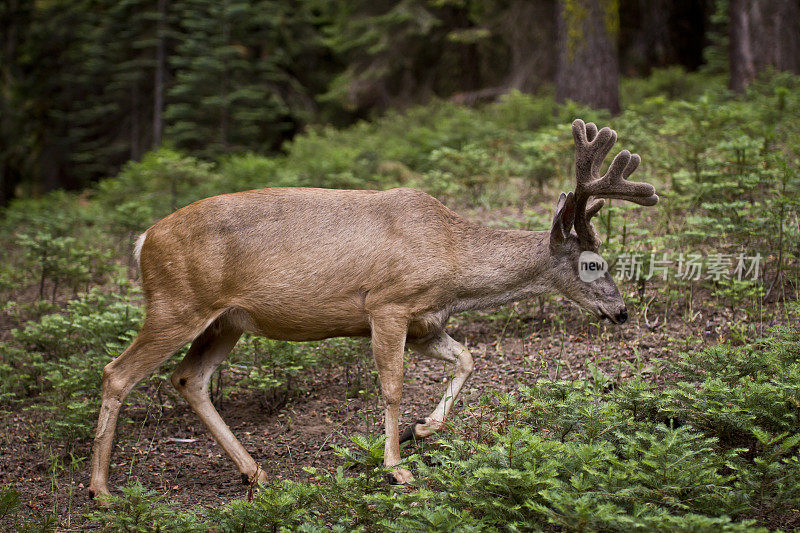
[(576, 268)]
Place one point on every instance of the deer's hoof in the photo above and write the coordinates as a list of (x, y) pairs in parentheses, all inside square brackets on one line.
[(409, 433), (100, 495), (259, 477), (399, 476)]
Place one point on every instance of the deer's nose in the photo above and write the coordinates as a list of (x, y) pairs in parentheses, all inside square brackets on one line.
[(622, 316)]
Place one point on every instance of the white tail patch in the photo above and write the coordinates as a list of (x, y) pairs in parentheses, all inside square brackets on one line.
[(137, 249)]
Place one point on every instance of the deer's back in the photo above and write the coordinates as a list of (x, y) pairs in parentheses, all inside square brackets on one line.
[(304, 263)]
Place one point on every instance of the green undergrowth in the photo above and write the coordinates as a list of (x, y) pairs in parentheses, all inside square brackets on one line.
[(54, 364), (727, 168), (713, 448)]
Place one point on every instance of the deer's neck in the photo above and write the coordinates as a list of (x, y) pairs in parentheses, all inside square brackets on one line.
[(501, 266)]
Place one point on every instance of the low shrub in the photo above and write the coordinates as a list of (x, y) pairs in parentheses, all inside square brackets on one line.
[(579, 456)]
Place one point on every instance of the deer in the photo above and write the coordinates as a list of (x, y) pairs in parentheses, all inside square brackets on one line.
[(304, 264)]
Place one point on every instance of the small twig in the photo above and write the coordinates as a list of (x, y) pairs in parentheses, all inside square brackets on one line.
[(291, 459), (779, 268), (569, 367), (655, 324), (503, 333)]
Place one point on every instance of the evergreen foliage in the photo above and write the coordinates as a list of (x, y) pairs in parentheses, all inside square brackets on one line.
[(704, 440), (560, 456), (237, 82)]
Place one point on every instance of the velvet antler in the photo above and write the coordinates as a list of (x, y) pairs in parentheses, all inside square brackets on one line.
[(591, 148)]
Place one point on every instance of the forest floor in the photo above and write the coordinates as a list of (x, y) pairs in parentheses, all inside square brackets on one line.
[(161, 441)]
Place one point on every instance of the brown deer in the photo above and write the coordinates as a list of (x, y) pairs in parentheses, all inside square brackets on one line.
[(305, 264)]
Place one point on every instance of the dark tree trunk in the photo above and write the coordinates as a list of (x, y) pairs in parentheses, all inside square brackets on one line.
[(223, 84), (659, 33), (650, 43), (9, 178), (763, 33), (158, 89), (9, 174), (529, 31), (136, 150), (588, 66)]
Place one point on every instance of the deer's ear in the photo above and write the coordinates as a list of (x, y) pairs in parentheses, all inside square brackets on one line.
[(563, 221)]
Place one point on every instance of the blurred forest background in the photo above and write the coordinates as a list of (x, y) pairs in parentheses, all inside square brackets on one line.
[(87, 85)]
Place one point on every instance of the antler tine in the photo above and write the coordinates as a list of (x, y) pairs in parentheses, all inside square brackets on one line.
[(594, 207), (615, 184), (591, 130)]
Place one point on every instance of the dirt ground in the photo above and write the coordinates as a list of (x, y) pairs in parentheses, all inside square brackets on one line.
[(169, 450)]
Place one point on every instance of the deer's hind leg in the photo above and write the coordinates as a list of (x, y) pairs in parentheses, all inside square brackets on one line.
[(157, 341), (445, 348), (191, 380)]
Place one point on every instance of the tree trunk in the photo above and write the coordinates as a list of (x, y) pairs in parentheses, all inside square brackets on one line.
[(223, 89), (763, 33), (9, 174), (647, 35), (529, 31), (158, 89), (9, 178), (588, 66), (136, 150)]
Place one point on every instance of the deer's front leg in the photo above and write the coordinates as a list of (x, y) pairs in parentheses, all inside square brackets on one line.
[(445, 348), (388, 344)]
